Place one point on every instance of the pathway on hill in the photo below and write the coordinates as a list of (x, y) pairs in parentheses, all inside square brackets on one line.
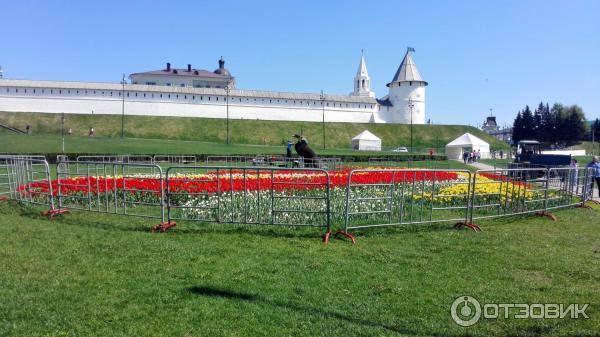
[(480, 166)]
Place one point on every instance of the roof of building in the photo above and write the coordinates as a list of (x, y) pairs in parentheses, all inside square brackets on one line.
[(407, 71), (184, 90), (366, 135), (362, 66), (467, 139), (385, 101), (184, 72)]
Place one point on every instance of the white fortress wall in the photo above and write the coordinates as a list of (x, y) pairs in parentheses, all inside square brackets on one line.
[(104, 98)]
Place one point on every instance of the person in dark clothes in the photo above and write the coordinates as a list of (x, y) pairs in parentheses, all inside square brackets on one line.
[(304, 151)]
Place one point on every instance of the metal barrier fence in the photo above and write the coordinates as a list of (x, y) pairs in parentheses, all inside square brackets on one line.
[(399, 197), (276, 161), (364, 198), (268, 195), (26, 180), (110, 187), (174, 159), (394, 162)]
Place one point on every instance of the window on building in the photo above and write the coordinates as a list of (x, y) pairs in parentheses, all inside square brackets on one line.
[(127, 94), (168, 84), (182, 85)]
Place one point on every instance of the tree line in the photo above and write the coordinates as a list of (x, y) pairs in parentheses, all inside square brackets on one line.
[(558, 125)]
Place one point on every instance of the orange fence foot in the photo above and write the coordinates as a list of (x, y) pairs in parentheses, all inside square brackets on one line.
[(547, 214), (346, 235), (326, 237), (51, 213), (163, 226), (473, 226)]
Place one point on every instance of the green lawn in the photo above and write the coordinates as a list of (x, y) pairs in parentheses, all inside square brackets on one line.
[(257, 132), (100, 275)]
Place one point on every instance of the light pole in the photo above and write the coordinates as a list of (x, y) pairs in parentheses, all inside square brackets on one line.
[(593, 130), (123, 108), (322, 97), (62, 131), (227, 107), (411, 105)]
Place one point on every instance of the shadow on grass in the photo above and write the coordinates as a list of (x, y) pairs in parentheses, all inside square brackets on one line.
[(213, 292), (206, 291)]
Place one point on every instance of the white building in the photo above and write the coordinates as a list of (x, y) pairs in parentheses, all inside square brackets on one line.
[(193, 92), (189, 77)]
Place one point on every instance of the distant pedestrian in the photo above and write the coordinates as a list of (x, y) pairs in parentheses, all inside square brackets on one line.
[(594, 167), (478, 155), (91, 134), (70, 132), (574, 174), (501, 154), (28, 129), (465, 157), (288, 149)]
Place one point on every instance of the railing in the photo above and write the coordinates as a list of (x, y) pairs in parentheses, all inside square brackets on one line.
[(249, 195), (112, 187), (314, 197), (400, 197)]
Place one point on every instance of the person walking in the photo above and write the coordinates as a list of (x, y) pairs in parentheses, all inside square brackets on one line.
[(594, 168), (91, 134), (465, 157)]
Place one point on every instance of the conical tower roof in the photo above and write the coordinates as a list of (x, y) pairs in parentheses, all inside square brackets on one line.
[(407, 72), (362, 66)]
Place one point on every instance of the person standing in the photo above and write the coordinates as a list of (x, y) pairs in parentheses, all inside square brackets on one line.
[(594, 171), (465, 156), (288, 149), (574, 174)]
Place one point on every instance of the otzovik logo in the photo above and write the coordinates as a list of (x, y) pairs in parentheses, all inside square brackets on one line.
[(465, 311)]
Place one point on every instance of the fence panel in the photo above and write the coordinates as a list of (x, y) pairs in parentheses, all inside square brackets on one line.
[(502, 192), (26, 180), (117, 188), (249, 195), (387, 197)]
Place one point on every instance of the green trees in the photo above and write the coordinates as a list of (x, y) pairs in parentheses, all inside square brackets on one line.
[(559, 125)]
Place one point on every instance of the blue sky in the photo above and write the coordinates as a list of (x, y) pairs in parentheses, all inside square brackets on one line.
[(476, 55)]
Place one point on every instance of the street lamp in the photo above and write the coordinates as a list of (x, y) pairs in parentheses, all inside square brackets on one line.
[(227, 106), (322, 98), (411, 105), (62, 131), (123, 107)]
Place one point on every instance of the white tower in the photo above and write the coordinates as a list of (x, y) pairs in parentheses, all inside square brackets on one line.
[(362, 82), (407, 93)]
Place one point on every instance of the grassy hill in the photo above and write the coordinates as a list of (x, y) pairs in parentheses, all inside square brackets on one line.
[(257, 132)]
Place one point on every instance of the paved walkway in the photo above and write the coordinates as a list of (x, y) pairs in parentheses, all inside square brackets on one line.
[(479, 166)]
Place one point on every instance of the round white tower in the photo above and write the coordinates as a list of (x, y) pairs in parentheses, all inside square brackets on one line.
[(362, 81), (407, 93)]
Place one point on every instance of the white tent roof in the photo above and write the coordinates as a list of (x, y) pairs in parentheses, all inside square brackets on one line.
[(467, 140), (366, 135)]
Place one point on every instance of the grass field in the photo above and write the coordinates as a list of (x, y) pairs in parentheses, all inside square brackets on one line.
[(99, 275), (256, 132)]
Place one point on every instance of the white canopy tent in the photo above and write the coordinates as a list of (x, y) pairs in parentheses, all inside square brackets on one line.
[(366, 141), (467, 142)]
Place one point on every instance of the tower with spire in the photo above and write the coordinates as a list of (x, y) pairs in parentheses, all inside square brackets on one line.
[(362, 82), (407, 93)]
